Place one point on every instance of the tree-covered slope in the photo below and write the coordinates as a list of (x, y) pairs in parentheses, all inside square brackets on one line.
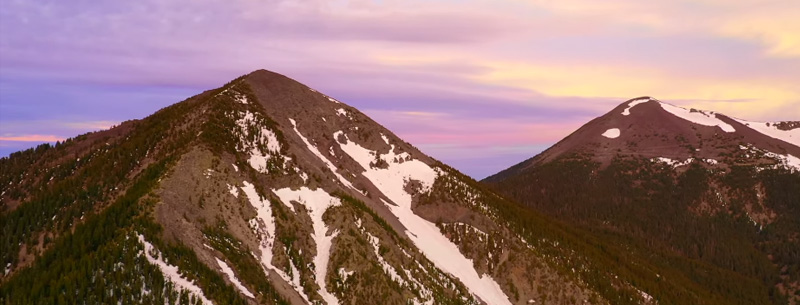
[(265, 191), (723, 202)]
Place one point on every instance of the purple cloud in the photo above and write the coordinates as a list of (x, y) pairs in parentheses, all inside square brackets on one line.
[(65, 66)]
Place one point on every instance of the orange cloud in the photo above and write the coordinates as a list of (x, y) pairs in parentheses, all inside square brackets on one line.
[(756, 99)]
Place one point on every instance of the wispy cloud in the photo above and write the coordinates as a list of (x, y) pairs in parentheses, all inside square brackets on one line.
[(32, 138), (508, 73), (90, 125)]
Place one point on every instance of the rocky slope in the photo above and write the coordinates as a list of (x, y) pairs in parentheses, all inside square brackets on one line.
[(720, 195), (265, 191)]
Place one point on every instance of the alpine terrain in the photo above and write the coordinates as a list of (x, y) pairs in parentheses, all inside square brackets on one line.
[(265, 191), (713, 199)]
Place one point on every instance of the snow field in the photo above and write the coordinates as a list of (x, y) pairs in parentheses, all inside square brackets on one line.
[(258, 159), (316, 202), (263, 225), (770, 130), (612, 133), (426, 236), (171, 273), (233, 190), (388, 269), (232, 277), (319, 155), (698, 117), (633, 103)]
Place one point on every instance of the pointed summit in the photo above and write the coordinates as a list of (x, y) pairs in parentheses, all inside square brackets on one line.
[(266, 191), (649, 128)]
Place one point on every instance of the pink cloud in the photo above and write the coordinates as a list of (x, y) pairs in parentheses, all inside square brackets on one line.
[(465, 130), (33, 138), (91, 125)]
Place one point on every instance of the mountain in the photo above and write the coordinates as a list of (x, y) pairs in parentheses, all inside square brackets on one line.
[(646, 127), (265, 191), (715, 196)]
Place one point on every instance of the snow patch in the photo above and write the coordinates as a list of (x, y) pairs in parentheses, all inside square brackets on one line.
[(264, 137), (391, 181), (674, 163), (633, 103), (342, 112), (788, 161), (232, 277), (302, 174), (647, 298), (241, 98), (400, 170), (481, 235), (263, 225), (235, 168), (316, 202), (388, 269), (771, 130), (171, 273), (344, 274), (319, 155), (233, 190), (612, 133), (698, 117)]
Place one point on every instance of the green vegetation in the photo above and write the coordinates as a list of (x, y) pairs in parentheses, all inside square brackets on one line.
[(92, 209), (100, 262), (363, 208), (249, 270), (369, 281), (80, 185), (703, 255)]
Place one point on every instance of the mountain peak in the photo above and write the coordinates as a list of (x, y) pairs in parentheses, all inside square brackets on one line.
[(650, 128), (242, 175), (265, 75), (266, 191), (651, 171), (627, 105), (695, 116)]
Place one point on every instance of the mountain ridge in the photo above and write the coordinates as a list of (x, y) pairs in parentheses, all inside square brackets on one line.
[(666, 122), (261, 191), (265, 191), (694, 183)]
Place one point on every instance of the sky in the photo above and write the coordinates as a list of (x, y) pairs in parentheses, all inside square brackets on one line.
[(478, 84)]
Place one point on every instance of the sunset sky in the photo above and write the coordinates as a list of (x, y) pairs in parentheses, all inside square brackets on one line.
[(480, 85)]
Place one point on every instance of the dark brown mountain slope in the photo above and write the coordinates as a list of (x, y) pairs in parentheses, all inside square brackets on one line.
[(719, 191), (648, 129)]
